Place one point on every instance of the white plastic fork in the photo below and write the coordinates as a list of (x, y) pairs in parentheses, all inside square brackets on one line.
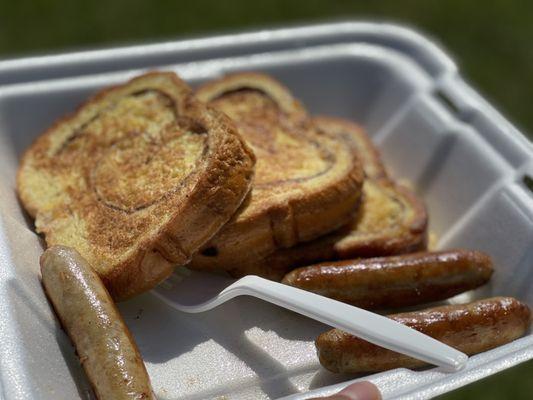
[(196, 292)]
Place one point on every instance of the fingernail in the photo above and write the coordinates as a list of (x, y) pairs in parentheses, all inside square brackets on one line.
[(361, 391)]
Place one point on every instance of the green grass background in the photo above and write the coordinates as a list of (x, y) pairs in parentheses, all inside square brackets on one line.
[(492, 41)]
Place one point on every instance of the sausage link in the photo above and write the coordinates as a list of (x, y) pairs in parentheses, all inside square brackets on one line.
[(397, 281), (471, 328), (104, 345)]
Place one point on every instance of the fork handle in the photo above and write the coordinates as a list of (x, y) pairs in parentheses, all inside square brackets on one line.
[(367, 325)]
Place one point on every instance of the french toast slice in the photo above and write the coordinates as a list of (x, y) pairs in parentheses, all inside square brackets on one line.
[(307, 182), (390, 220), (136, 180)]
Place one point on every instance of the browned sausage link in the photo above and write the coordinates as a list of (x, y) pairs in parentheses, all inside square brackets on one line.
[(471, 328), (397, 281), (104, 345)]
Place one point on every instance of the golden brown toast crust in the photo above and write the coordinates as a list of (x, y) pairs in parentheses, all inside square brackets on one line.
[(137, 179), (307, 182), (390, 220)]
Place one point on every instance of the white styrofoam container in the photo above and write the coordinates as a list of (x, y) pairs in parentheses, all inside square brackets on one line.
[(465, 159)]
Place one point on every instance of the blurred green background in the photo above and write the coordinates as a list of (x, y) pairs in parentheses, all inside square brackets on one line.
[(492, 41)]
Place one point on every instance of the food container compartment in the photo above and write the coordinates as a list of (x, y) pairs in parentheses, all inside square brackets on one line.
[(468, 163)]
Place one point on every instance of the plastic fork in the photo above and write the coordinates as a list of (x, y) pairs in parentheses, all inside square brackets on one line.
[(196, 292)]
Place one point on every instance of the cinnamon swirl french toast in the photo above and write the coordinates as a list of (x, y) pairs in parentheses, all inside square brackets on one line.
[(307, 182), (136, 180), (390, 219)]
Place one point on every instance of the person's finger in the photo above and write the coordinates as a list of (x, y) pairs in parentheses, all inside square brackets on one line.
[(356, 391), (361, 391)]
